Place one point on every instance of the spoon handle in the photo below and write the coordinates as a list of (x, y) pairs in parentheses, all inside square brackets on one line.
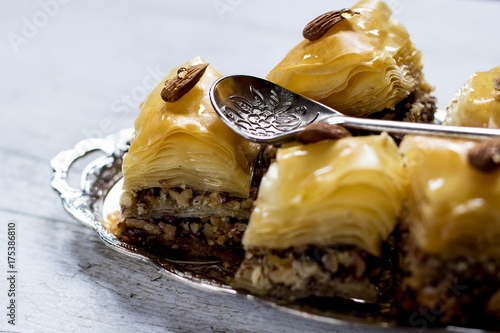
[(401, 127)]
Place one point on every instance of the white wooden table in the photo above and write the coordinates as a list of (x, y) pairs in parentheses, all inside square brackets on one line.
[(70, 70)]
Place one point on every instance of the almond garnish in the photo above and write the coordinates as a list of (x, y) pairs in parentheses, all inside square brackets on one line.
[(485, 156), (183, 82), (322, 131), (320, 25), (496, 87)]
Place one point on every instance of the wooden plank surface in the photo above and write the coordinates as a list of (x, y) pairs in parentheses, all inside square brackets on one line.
[(70, 70)]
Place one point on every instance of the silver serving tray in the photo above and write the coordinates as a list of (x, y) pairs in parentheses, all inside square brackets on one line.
[(98, 195)]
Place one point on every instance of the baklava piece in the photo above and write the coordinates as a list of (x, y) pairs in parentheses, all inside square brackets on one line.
[(189, 180), (477, 103), (323, 221), (451, 232), (360, 62)]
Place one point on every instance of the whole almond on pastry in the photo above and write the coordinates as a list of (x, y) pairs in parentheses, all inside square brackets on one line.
[(320, 25), (322, 131), (181, 84), (485, 156)]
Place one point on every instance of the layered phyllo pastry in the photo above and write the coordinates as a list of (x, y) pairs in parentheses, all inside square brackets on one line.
[(451, 233), (477, 103), (188, 179), (361, 62), (323, 221)]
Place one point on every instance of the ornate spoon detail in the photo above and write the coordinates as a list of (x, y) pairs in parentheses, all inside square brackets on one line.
[(264, 112)]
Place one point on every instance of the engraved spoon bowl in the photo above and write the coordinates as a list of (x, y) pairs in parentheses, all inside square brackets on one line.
[(264, 112)]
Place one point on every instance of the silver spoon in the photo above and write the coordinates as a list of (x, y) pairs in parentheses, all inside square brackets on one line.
[(263, 112)]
